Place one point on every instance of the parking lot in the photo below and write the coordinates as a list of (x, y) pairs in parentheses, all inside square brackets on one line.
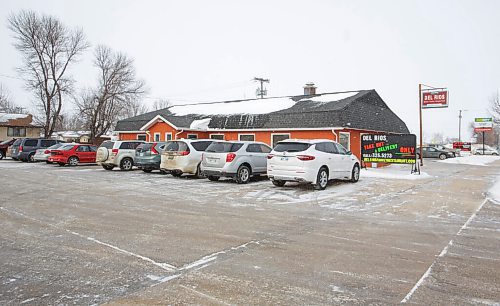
[(83, 235)]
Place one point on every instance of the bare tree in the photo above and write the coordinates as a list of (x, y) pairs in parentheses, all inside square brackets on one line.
[(6, 103), (48, 48), (495, 108), (117, 89), (161, 104), (135, 108)]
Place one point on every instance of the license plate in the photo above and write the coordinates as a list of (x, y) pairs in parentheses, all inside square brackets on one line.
[(284, 158), (211, 160)]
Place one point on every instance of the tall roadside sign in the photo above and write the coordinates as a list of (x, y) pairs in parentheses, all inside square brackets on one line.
[(430, 97), (482, 125)]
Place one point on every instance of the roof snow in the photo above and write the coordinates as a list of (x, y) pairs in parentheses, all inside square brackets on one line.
[(4, 117), (201, 124), (255, 106)]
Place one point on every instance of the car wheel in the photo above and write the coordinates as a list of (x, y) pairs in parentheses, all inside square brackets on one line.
[(278, 183), (73, 161), (126, 164), (107, 167), (322, 179), (61, 164), (243, 175), (355, 173), (176, 174), (199, 174), (442, 156), (147, 170), (31, 158), (2, 154), (213, 178)]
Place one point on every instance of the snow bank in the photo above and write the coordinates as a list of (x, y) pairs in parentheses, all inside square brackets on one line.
[(475, 160), (494, 192), (393, 172)]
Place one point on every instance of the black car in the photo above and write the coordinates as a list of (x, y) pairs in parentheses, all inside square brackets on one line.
[(4, 146), (24, 149)]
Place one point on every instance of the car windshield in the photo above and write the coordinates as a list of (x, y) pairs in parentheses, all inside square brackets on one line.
[(291, 146), (107, 144), (223, 147), (57, 145), (66, 147), (176, 146)]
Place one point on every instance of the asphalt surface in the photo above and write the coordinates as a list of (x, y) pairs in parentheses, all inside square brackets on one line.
[(84, 235)]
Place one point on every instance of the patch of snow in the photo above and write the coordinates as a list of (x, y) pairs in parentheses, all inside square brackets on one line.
[(393, 172), (475, 160), (162, 279), (331, 97), (494, 192), (4, 117), (201, 124)]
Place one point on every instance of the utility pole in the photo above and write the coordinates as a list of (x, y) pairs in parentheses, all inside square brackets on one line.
[(261, 92), (420, 116), (460, 124)]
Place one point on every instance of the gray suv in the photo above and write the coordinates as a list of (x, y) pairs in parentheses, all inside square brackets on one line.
[(239, 160), (25, 149)]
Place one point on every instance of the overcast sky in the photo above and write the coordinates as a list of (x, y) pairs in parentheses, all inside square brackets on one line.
[(189, 51)]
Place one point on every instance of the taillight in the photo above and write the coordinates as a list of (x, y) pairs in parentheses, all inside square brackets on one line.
[(230, 157), (20, 148), (305, 157), (270, 156), (184, 153), (153, 149), (46, 152), (114, 151)]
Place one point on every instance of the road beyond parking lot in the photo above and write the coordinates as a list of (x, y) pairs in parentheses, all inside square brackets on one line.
[(84, 235)]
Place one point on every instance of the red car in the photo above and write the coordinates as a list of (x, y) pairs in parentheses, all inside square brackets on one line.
[(73, 154)]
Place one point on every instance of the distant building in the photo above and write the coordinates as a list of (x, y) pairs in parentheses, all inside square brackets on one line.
[(339, 116), (18, 126)]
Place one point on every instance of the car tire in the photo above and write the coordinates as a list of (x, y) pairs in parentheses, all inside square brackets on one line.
[(442, 156), (213, 178), (355, 173), (199, 174), (147, 170), (176, 174), (321, 179), (61, 164), (278, 183), (243, 175), (496, 154), (73, 161), (2, 154), (126, 164), (108, 167), (31, 158)]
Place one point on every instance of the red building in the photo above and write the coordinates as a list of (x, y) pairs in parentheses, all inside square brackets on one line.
[(340, 116)]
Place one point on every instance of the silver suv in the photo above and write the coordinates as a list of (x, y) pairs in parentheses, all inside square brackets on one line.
[(117, 154), (236, 159)]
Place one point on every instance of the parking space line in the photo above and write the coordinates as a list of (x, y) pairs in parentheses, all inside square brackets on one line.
[(205, 295), (443, 253)]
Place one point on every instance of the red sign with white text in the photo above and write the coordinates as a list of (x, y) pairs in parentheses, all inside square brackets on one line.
[(434, 99)]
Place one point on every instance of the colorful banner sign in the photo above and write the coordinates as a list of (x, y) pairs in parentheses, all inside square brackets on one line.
[(463, 146), (387, 148), (483, 124), (434, 99)]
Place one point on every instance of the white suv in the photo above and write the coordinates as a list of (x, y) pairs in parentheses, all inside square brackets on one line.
[(117, 154), (311, 161)]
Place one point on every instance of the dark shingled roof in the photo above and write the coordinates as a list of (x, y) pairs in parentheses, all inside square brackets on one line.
[(365, 110)]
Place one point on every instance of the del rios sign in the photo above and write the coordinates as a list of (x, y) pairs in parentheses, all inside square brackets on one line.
[(385, 148)]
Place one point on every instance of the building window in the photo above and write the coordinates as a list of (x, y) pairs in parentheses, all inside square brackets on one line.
[(278, 137), (217, 136), (141, 137), (16, 132), (168, 136), (246, 137), (192, 136), (345, 140), (157, 137)]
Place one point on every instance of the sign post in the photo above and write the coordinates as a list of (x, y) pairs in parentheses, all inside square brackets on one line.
[(483, 125)]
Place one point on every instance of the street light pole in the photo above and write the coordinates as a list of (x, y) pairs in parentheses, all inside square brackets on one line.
[(460, 124)]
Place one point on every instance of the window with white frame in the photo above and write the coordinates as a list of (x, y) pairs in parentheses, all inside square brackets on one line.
[(192, 136), (345, 140), (217, 136), (279, 137), (157, 137), (16, 131), (246, 137), (141, 137), (168, 136)]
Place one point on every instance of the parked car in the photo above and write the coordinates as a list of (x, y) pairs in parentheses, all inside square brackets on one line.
[(311, 161), (148, 156), (487, 151), (456, 152), (239, 160), (73, 154), (117, 154), (184, 156), (44, 154), (4, 146), (24, 150), (432, 152)]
